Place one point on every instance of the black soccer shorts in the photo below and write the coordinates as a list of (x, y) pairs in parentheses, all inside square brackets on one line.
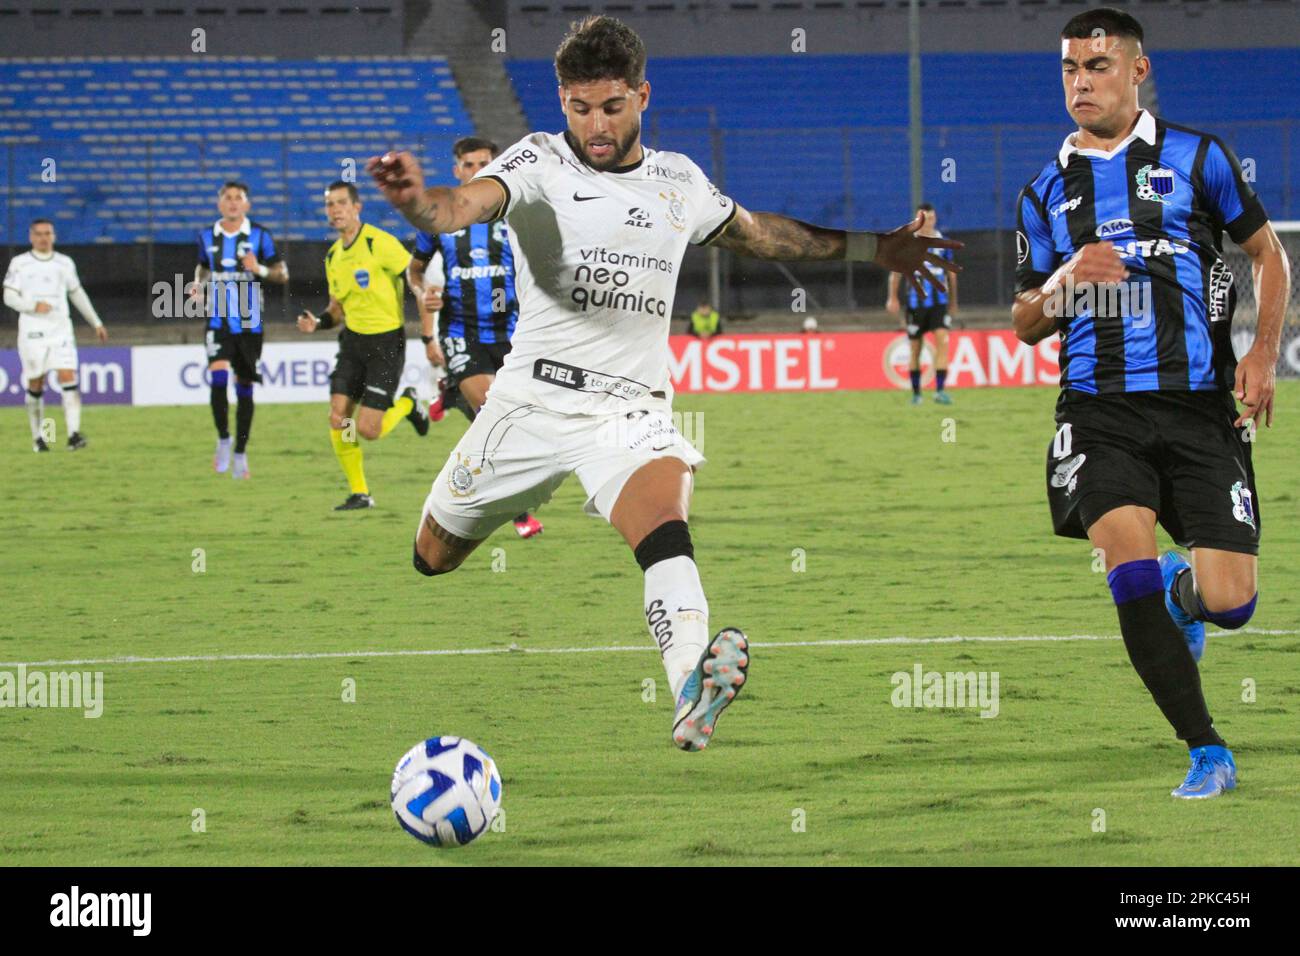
[(929, 319), (469, 357), (243, 350), (1177, 453), (368, 368)]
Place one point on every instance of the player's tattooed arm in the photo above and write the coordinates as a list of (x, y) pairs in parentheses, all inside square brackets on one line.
[(766, 235), (437, 208)]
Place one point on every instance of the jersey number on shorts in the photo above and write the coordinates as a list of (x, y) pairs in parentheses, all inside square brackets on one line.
[(1061, 444)]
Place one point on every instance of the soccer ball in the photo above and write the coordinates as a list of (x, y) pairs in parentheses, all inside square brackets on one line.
[(446, 791)]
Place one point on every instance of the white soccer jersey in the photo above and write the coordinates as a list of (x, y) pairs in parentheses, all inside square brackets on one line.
[(597, 256), (49, 279)]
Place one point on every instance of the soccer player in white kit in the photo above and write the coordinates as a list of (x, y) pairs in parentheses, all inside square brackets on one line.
[(38, 286), (599, 225)]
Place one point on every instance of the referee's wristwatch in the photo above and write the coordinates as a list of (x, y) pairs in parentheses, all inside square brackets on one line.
[(426, 339)]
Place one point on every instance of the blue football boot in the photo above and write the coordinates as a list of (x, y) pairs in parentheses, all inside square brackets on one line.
[(1171, 563), (1213, 771)]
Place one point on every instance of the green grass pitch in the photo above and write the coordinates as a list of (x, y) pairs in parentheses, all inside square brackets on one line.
[(897, 532)]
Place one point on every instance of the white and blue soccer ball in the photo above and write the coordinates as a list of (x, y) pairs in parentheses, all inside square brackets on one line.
[(446, 790)]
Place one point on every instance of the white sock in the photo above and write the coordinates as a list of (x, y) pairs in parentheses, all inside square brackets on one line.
[(72, 410), (35, 412), (678, 616)]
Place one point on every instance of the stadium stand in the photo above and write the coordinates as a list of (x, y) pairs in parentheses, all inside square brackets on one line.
[(842, 160), (139, 145)]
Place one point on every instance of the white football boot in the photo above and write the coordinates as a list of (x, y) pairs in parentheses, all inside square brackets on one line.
[(713, 685)]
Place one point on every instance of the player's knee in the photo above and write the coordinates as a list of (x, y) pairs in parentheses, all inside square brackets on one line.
[(671, 539), (1231, 609), (220, 378), (35, 392), (439, 564), (369, 428)]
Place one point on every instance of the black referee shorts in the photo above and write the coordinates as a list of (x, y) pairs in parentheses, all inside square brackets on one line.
[(368, 368), (1177, 453)]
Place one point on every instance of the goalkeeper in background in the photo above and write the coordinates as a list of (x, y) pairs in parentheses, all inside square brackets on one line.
[(364, 268)]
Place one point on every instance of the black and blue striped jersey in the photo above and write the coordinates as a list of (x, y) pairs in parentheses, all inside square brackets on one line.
[(235, 295), (479, 302), (934, 295), (1163, 197)]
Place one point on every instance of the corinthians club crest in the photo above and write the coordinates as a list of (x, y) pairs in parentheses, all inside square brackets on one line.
[(676, 212), (461, 478), (1154, 184)]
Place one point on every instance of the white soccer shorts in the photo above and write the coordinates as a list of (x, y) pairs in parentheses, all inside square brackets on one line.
[(41, 353), (515, 455)]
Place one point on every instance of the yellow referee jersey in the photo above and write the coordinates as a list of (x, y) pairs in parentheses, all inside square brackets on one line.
[(366, 279)]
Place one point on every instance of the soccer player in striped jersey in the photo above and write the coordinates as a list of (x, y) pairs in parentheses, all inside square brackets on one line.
[(364, 269), (1120, 252), (236, 254), (468, 278), (930, 308), (599, 224), (38, 286)]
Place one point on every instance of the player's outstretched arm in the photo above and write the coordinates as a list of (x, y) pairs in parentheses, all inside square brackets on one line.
[(768, 235), (437, 208), (1255, 382)]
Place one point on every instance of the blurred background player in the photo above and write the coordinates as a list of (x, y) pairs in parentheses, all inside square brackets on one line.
[(38, 286), (364, 268), (236, 255), (1146, 422), (467, 278), (929, 309), (705, 321)]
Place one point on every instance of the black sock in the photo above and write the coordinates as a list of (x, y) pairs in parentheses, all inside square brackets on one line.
[(522, 517), (915, 375), (1160, 656), (940, 377), (221, 409), (243, 417)]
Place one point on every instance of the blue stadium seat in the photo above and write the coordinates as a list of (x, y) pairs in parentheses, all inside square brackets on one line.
[(112, 125), (825, 137)]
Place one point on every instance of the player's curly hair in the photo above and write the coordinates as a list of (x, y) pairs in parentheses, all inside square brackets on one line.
[(600, 48)]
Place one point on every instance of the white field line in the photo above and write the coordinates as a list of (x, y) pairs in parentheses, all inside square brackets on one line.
[(642, 648)]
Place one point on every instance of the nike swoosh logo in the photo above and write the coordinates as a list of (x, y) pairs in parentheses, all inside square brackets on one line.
[(577, 198)]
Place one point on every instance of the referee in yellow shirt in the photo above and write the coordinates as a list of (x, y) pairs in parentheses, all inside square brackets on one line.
[(364, 268)]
